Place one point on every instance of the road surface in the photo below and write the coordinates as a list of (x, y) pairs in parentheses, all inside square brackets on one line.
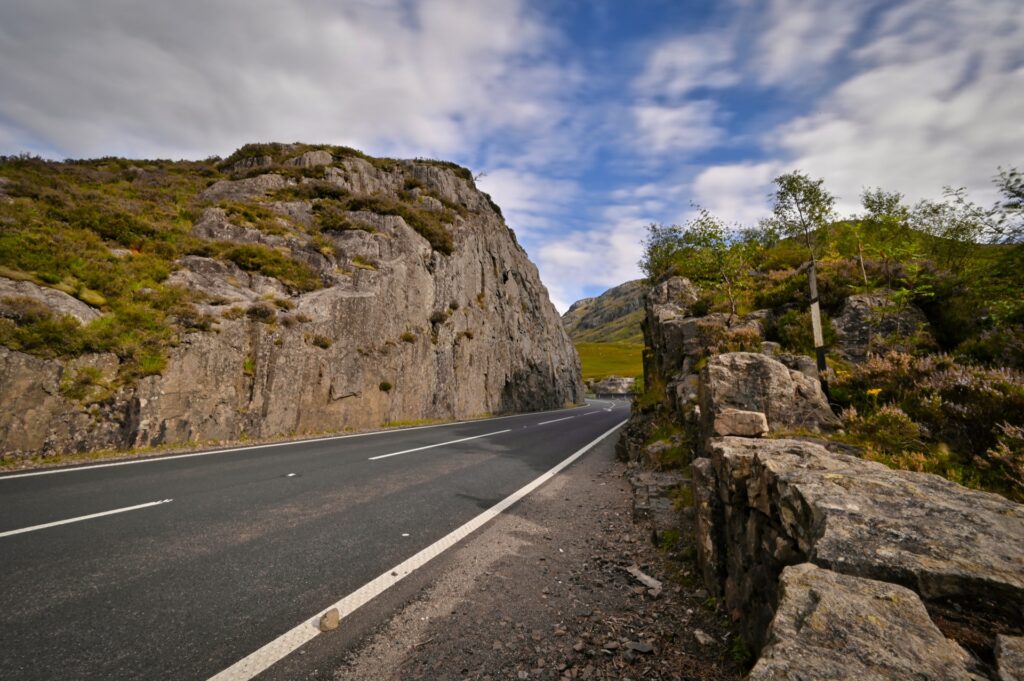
[(190, 567)]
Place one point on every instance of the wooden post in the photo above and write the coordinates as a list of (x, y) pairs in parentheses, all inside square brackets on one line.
[(819, 338)]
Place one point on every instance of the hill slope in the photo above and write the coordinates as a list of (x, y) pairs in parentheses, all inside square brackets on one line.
[(287, 289), (612, 317), (606, 332)]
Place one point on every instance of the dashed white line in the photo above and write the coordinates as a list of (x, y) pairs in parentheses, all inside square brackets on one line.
[(439, 444), (544, 423), (229, 450), (80, 518), (256, 662)]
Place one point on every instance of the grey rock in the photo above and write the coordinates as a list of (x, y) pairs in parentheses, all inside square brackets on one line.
[(613, 385), (873, 322), (240, 190), (703, 638), (751, 381), (1010, 658), (58, 302), (311, 159), (833, 626), (329, 620), (738, 422), (253, 162), (788, 501)]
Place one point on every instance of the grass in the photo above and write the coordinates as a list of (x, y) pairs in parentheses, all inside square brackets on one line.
[(600, 360)]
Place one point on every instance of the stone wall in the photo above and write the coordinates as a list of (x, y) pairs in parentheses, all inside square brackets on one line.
[(832, 566)]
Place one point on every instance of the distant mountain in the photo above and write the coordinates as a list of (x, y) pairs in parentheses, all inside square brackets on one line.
[(612, 317)]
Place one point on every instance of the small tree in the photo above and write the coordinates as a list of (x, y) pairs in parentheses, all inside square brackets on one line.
[(1009, 210), (661, 250), (804, 209), (883, 227), (714, 258), (957, 224)]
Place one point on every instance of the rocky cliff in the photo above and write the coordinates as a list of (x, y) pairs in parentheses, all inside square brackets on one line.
[(613, 316), (394, 292), (832, 566)]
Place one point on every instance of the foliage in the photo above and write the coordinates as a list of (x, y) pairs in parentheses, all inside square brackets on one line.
[(792, 330), (803, 208)]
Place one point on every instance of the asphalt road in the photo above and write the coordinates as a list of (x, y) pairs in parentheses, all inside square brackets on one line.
[(251, 543)]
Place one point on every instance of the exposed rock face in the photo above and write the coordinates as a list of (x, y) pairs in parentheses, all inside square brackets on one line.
[(831, 626), (872, 322), (57, 302), (612, 316), (1010, 658), (754, 382), (400, 331), (779, 502)]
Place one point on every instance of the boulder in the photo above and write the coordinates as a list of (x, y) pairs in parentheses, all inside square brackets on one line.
[(872, 322), (311, 159), (787, 501), (739, 422), (831, 626), (753, 382), (57, 302), (613, 385), (241, 190)]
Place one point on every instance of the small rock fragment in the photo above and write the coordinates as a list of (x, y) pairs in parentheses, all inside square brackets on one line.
[(329, 620), (702, 638)]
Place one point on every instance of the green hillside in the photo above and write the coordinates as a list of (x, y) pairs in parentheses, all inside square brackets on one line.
[(606, 332)]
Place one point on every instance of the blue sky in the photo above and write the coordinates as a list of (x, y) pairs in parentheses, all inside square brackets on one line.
[(588, 120)]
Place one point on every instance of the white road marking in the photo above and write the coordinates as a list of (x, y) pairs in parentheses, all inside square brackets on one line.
[(171, 457), (439, 444), (544, 423), (84, 517), (292, 640)]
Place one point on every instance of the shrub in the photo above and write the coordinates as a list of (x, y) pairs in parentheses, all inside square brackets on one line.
[(889, 428), (385, 386), (409, 337), (321, 341), (271, 263), (1003, 463), (262, 312), (438, 317), (793, 331)]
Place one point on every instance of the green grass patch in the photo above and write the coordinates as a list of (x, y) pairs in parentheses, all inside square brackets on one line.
[(600, 360)]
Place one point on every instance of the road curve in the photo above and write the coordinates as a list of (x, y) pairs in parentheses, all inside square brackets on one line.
[(180, 567)]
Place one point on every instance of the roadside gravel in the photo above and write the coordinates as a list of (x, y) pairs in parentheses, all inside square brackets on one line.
[(543, 592)]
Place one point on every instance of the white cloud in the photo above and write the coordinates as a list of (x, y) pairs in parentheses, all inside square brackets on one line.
[(685, 127), (194, 77), (683, 64), (737, 193), (798, 38), (530, 202)]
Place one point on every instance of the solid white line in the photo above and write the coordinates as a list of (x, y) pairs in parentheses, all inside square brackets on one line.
[(544, 423), (84, 517), (439, 444), (290, 641), (171, 457)]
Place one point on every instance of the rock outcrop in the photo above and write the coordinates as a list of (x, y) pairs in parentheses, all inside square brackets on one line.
[(832, 566), (830, 626), (397, 331), (872, 322)]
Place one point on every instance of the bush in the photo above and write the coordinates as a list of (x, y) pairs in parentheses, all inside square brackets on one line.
[(793, 331), (409, 337), (385, 386), (271, 263), (262, 312)]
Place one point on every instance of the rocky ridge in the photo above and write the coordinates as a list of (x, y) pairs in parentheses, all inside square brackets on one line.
[(832, 566), (396, 329), (612, 316)]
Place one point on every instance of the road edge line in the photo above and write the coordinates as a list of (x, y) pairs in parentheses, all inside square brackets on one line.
[(262, 659)]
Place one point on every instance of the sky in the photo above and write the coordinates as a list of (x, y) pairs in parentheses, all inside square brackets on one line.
[(586, 120)]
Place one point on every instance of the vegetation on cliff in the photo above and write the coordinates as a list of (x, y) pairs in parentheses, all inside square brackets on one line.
[(110, 232), (941, 385)]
